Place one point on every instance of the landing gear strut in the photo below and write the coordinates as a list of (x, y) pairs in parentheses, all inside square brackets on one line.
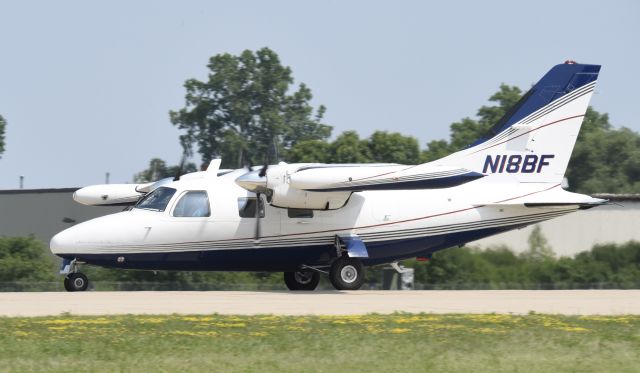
[(73, 280), (302, 280)]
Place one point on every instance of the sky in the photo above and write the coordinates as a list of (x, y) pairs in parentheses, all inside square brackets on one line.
[(86, 87)]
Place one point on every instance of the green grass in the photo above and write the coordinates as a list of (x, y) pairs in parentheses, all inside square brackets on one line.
[(399, 342)]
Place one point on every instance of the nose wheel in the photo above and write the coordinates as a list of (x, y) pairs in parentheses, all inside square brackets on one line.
[(76, 282)]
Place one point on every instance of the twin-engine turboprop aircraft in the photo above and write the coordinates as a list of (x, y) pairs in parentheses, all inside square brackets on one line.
[(311, 219)]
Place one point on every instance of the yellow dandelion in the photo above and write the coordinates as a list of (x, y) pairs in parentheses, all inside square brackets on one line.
[(574, 329), (151, 320), (399, 330), (258, 334)]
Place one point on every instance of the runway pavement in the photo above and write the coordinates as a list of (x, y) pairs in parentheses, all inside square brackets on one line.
[(569, 302)]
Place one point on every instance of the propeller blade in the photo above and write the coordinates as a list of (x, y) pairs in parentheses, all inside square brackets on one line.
[(183, 161), (263, 171), (256, 236)]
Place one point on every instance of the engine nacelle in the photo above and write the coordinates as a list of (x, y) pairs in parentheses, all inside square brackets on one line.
[(108, 195), (283, 195)]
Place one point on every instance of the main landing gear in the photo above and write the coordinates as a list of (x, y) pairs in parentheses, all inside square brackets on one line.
[(302, 280), (73, 280), (76, 282), (345, 273)]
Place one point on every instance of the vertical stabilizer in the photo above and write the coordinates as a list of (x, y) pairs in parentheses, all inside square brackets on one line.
[(534, 140)]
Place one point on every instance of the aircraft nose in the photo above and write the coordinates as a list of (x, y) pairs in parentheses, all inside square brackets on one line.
[(60, 243)]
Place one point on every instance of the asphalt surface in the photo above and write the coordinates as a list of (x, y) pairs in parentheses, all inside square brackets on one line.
[(569, 302)]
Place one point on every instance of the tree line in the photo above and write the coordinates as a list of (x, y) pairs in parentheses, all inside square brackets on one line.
[(249, 112)]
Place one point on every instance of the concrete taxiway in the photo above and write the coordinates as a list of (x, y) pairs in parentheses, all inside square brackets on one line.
[(570, 302)]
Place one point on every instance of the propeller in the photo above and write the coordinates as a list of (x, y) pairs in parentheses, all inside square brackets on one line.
[(256, 233), (262, 175), (183, 161), (256, 181), (186, 153)]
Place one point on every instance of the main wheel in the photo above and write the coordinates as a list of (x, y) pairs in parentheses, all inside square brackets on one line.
[(302, 280), (76, 282), (347, 273)]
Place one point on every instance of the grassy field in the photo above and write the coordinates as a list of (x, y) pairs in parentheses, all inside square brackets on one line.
[(400, 342)]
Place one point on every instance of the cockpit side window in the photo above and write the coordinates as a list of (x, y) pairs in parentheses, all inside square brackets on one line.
[(247, 207), (193, 204), (157, 200)]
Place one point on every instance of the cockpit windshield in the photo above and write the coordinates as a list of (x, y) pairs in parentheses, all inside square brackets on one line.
[(156, 200)]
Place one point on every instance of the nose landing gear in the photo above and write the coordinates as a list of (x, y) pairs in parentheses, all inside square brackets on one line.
[(73, 280)]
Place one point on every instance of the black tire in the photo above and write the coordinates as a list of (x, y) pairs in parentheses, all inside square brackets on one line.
[(76, 282), (67, 284), (302, 280), (347, 274)]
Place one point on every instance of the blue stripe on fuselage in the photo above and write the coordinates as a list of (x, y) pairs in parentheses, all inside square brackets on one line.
[(435, 183), (282, 258)]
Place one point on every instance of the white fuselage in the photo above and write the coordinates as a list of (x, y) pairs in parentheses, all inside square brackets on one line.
[(384, 212), (393, 224)]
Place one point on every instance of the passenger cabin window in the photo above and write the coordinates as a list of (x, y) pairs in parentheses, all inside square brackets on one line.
[(247, 207), (299, 213), (157, 200), (193, 204)]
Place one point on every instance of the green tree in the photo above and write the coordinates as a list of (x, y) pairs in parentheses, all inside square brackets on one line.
[(247, 110), (158, 169), (539, 248), (348, 148), (380, 147), (3, 124), (23, 259), (605, 159), (467, 130), (436, 149), (394, 147), (310, 151)]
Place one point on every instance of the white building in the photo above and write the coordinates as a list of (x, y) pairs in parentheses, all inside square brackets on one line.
[(43, 212), (617, 222)]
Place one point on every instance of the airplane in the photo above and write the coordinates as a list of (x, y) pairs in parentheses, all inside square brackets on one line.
[(310, 219)]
